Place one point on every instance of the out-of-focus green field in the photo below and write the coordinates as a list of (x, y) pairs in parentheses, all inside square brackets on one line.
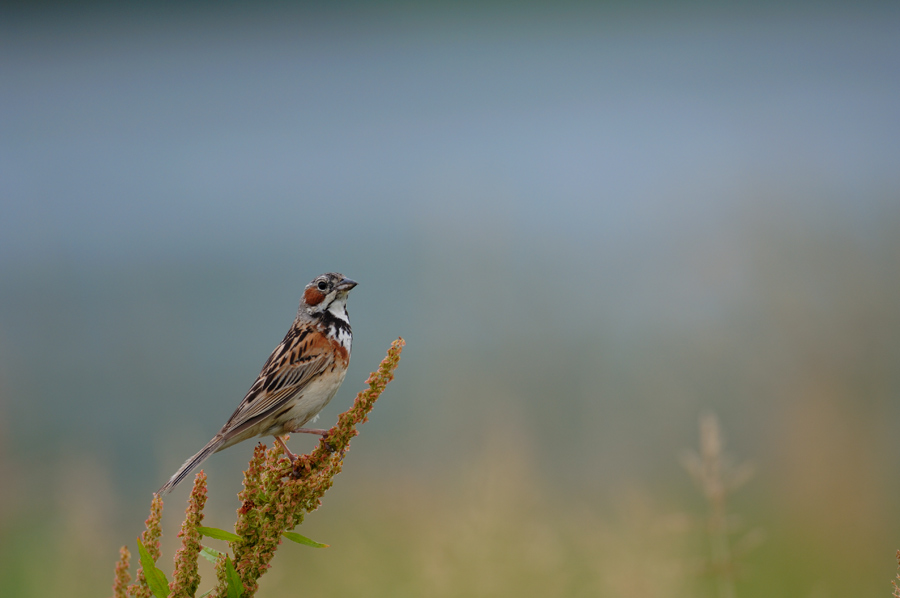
[(545, 460)]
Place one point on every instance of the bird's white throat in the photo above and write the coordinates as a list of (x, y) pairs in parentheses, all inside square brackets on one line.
[(338, 308)]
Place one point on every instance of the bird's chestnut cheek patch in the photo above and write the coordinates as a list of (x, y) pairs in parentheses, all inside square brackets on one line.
[(313, 296)]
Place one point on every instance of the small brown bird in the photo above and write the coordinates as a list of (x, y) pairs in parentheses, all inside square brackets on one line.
[(301, 375)]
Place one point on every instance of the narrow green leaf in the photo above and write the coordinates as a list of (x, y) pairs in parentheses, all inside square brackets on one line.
[(235, 585), (295, 537), (156, 579), (218, 534), (210, 554)]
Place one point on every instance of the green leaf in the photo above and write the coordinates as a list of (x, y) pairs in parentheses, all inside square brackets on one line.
[(235, 585), (295, 537), (218, 534), (210, 554), (156, 579)]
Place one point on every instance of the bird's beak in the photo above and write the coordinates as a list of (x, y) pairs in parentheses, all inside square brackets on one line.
[(346, 284)]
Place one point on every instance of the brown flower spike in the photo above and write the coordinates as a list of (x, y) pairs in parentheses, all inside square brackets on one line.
[(150, 539), (186, 579), (120, 585)]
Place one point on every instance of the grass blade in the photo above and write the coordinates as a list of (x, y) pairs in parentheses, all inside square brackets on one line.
[(210, 554), (235, 585), (295, 537), (156, 579), (218, 534)]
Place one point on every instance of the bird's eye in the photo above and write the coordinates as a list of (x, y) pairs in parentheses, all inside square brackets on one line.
[(323, 286)]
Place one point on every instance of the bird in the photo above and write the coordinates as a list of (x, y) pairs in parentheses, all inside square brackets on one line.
[(299, 378)]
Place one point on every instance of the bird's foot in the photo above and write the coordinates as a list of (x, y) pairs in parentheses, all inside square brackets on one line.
[(287, 452)]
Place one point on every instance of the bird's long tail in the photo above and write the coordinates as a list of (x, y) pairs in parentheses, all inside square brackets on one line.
[(212, 446)]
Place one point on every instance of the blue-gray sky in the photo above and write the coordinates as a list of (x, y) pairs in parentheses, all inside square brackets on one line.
[(193, 131)]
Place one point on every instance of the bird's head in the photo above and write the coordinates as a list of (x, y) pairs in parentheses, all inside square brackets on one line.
[(327, 292)]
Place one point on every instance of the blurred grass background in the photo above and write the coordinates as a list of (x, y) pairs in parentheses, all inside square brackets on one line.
[(591, 223)]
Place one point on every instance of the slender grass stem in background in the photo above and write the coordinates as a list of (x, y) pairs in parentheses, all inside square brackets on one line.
[(276, 496), (717, 478), (894, 583)]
